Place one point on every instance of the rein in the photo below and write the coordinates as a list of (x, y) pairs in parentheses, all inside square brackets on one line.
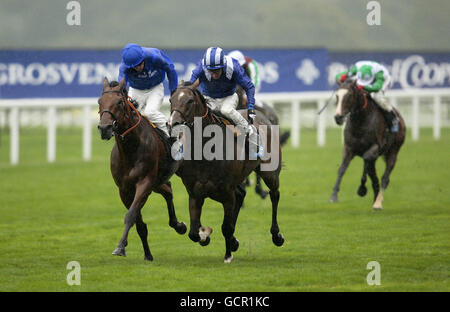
[(364, 94), (129, 105)]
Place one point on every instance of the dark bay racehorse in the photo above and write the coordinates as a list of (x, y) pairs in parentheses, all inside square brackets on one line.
[(217, 179), (139, 161), (366, 135)]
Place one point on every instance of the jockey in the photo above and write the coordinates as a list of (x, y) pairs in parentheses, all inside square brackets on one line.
[(217, 76), (250, 66), (375, 79), (144, 70)]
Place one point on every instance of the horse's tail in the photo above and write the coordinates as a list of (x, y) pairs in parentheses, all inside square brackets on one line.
[(284, 137)]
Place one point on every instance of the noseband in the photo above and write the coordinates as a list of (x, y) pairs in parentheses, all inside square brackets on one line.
[(116, 119)]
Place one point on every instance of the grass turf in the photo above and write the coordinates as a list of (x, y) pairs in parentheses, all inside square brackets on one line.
[(52, 214)]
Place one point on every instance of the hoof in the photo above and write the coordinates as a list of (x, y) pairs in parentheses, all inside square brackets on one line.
[(119, 252), (181, 228), (234, 244), (262, 194), (148, 258), (333, 199), (362, 191), (377, 208), (278, 239), (205, 242), (228, 259)]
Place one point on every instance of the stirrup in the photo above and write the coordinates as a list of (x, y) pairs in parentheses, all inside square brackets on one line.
[(394, 127), (177, 151)]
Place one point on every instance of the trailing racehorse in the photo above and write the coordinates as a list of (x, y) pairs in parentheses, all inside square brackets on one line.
[(366, 135), (220, 179), (271, 115), (140, 162)]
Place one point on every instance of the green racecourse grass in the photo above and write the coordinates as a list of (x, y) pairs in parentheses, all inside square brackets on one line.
[(51, 214)]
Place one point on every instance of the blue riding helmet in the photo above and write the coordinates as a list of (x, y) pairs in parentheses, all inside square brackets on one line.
[(132, 55), (214, 58)]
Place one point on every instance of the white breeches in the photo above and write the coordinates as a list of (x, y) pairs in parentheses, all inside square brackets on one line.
[(150, 101), (227, 106)]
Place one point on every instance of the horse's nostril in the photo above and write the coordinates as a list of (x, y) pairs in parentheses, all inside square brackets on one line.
[(338, 119)]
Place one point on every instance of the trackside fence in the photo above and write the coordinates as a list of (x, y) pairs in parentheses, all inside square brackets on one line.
[(10, 111)]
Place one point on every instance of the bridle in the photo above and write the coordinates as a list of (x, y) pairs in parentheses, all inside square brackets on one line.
[(116, 119), (185, 123)]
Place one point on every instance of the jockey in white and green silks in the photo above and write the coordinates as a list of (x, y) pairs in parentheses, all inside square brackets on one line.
[(251, 69), (375, 79)]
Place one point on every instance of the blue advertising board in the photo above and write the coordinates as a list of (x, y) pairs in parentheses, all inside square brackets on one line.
[(79, 73), (45, 74)]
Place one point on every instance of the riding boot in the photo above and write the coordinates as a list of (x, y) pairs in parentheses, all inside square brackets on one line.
[(393, 121)]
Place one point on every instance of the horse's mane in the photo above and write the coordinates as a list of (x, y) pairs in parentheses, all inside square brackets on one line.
[(114, 83), (196, 91)]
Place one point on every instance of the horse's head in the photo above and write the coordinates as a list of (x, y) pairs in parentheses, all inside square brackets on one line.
[(112, 107), (347, 99), (185, 104)]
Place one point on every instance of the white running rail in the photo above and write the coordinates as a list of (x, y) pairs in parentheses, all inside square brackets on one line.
[(295, 100)]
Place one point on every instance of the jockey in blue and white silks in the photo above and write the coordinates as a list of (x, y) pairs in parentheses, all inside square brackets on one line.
[(144, 70), (217, 76)]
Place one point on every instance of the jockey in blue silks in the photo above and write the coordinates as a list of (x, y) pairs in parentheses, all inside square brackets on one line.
[(217, 76), (144, 70)]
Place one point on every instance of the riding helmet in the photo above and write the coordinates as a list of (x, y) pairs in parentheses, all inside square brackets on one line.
[(214, 58), (132, 55)]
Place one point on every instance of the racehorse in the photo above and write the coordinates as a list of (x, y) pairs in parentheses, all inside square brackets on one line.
[(366, 135), (218, 179), (271, 115), (139, 161)]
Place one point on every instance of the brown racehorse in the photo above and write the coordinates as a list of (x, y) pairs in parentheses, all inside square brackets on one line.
[(218, 179), (139, 161), (366, 135)]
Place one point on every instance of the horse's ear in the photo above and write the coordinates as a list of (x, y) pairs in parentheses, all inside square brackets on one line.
[(122, 84), (195, 85), (181, 83), (105, 83)]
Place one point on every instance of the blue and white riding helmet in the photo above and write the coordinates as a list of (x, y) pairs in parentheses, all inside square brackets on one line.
[(214, 58), (132, 55)]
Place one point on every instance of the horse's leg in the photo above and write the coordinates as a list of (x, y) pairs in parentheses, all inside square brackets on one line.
[(371, 170), (347, 157), (197, 233), (258, 188), (228, 225), (272, 181), (391, 159), (239, 201), (143, 190), (166, 191), (141, 228), (127, 199), (362, 190)]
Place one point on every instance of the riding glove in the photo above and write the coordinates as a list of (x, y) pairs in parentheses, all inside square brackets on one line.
[(251, 116)]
